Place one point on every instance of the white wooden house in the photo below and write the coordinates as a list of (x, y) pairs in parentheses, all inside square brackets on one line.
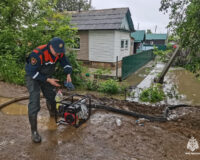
[(104, 36)]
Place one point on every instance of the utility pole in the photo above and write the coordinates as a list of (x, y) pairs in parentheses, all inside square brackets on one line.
[(138, 26), (79, 6), (90, 3), (155, 28)]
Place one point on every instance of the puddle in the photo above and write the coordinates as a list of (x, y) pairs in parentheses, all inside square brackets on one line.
[(137, 77), (13, 109), (46, 123), (187, 85)]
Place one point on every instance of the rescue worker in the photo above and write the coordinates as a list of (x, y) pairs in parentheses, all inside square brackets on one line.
[(39, 69)]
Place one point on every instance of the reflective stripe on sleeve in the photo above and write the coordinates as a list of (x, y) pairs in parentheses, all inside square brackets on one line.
[(67, 66), (35, 75)]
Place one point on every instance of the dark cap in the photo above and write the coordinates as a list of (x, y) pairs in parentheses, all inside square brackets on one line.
[(58, 45)]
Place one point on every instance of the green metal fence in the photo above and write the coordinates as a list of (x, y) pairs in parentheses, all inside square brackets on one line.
[(132, 63)]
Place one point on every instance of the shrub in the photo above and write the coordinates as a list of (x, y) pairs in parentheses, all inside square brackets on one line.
[(91, 85), (77, 78), (10, 70), (110, 86), (152, 94)]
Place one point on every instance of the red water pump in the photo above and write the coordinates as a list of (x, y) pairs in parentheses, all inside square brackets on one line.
[(73, 110)]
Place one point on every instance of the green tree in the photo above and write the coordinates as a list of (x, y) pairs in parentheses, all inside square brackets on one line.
[(72, 5), (149, 31), (34, 23), (185, 23)]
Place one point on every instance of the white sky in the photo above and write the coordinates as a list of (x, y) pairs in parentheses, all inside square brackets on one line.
[(145, 13)]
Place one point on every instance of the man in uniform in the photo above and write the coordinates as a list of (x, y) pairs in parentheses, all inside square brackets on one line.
[(39, 69)]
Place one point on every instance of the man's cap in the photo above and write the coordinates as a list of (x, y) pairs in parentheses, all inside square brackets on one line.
[(58, 45)]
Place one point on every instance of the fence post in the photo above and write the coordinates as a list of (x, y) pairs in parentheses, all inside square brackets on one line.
[(117, 67)]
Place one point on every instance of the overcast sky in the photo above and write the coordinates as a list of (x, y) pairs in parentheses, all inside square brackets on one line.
[(145, 13)]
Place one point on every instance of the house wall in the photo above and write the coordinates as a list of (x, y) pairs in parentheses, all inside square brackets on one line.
[(125, 24), (162, 42), (118, 51), (101, 46), (83, 52)]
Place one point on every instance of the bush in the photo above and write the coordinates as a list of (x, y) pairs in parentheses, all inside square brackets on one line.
[(110, 86), (10, 70), (77, 78), (153, 94), (92, 85)]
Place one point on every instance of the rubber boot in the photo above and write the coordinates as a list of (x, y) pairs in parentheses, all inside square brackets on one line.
[(36, 138), (52, 108)]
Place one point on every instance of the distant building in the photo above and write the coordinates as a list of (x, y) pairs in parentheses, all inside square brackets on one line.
[(139, 38), (156, 39), (104, 35)]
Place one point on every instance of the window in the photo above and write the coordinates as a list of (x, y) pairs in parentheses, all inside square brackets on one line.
[(124, 44)]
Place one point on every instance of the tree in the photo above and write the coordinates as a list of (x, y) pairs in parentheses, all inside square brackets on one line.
[(73, 5), (33, 23), (149, 31), (185, 22)]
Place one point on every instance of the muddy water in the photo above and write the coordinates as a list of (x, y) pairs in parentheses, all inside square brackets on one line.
[(13, 109), (187, 85), (135, 78)]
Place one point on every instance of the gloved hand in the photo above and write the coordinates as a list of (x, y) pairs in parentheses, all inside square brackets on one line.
[(69, 86)]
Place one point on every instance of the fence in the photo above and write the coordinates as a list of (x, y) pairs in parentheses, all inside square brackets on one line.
[(132, 63)]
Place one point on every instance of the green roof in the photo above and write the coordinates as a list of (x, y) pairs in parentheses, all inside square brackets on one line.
[(156, 36), (138, 35)]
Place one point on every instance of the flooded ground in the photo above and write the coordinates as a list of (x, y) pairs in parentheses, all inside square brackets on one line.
[(182, 86), (105, 136), (13, 109), (137, 77), (187, 85)]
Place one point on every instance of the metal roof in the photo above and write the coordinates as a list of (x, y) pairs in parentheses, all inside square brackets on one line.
[(138, 35), (156, 36), (102, 19)]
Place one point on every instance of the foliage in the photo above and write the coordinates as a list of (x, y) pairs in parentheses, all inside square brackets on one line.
[(185, 24), (100, 72), (149, 31), (92, 85), (110, 86), (77, 78), (10, 71), (153, 94), (33, 23), (163, 56), (194, 66), (72, 5)]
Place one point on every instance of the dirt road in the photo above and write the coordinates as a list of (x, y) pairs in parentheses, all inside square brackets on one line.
[(102, 137)]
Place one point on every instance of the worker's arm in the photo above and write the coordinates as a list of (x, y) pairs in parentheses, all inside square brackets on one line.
[(33, 66), (32, 69)]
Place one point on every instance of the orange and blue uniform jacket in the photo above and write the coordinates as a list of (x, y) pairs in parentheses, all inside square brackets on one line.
[(41, 63)]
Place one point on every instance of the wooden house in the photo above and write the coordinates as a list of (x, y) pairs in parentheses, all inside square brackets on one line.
[(156, 39), (105, 35)]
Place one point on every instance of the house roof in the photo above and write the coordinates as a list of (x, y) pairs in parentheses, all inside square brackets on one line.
[(156, 36), (102, 19), (138, 35)]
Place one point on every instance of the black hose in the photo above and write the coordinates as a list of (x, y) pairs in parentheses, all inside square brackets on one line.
[(133, 114)]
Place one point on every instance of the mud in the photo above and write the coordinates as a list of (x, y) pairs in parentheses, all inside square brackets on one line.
[(102, 137)]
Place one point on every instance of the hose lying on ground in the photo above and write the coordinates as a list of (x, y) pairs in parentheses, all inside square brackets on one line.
[(14, 100), (133, 114), (162, 118)]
